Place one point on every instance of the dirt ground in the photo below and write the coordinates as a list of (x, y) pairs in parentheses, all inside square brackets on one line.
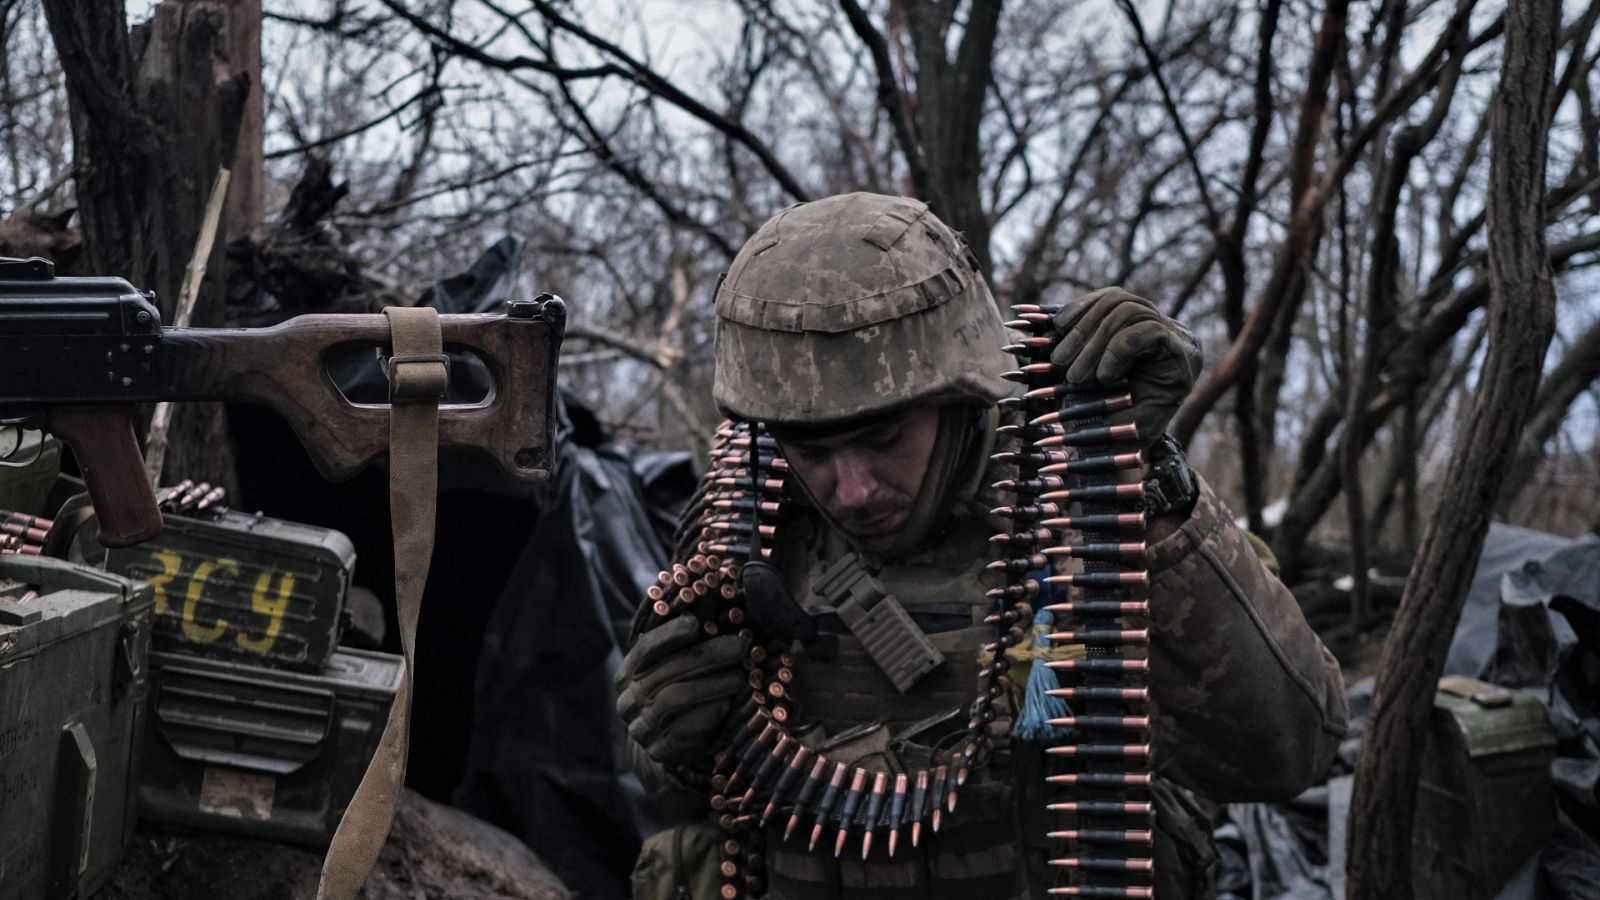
[(434, 851)]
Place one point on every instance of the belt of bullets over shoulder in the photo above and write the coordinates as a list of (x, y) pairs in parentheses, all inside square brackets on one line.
[(763, 773), (733, 514), (1066, 457)]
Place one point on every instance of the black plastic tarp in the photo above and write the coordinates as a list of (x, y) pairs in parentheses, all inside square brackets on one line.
[(1532, 622), (1282, 848), (1506, 547), (546, 760), (1548, 642)]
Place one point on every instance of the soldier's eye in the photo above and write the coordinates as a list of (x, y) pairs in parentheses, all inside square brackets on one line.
[(883, 440), (811, 455)]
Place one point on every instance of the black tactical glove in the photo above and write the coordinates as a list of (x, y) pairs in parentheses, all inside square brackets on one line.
[(676, 688), (1111, 339)]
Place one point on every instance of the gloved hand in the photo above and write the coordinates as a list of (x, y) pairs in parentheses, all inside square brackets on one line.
[(676, 688), (1111, 339)]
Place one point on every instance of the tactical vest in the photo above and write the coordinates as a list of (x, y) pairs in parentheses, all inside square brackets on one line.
[(994, 846), (976, 853)]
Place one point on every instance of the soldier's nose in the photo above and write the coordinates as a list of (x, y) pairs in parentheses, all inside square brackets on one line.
[(854, 484)]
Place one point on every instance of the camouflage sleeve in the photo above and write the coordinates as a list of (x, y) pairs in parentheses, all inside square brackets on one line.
[(1247, 702)]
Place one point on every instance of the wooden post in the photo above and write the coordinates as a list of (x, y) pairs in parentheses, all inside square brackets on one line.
[(242, 213)]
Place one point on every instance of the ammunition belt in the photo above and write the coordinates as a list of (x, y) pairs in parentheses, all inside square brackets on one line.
[(23, 533), (1068, 464), (733, 513), (764, 771), (1066, 458), (190, 498), (28, 534)]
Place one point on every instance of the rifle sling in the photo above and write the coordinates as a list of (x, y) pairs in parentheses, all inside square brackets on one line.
[(418, 377)]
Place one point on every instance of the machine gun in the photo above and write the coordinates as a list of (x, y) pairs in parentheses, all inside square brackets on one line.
[(77, 354)]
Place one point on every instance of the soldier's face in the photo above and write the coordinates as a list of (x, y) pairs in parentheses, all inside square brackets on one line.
[(867, 478)]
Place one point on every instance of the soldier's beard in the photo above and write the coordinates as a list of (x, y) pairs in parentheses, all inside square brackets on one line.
[(877, 528)]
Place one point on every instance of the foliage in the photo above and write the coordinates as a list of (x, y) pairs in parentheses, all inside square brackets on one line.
[(1303, 184)]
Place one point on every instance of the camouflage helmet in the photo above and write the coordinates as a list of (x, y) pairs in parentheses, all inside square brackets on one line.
[(851, 306)]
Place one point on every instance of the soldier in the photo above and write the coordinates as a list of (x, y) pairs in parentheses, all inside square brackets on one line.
[(859, 332)]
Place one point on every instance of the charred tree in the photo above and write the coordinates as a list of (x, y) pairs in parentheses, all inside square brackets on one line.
[(155, 114), (1521, 322), (302, 262), (243, 210)]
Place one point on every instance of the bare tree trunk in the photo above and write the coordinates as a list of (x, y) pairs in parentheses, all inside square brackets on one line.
[(1411, 451), (243, 210), (1255, 449), (155, 113), (1382, 286), (1400, 471), (1311, 498), (190, 85), (949, 109), (1316, 482), (1287, 279), (1521, 322), (115, 144)]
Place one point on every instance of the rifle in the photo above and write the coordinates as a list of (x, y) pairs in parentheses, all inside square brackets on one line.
[(77, 354)]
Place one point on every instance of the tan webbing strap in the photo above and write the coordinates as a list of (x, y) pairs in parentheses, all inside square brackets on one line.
[(418, 375)]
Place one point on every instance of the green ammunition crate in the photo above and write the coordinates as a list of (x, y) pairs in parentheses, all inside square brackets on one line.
[(263, 752), (1486, 802), (245, 588), (73, 675)]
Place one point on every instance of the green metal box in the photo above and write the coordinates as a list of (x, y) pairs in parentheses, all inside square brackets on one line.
[(1486, 802), (245, 588), (74, 658), (263, 752)]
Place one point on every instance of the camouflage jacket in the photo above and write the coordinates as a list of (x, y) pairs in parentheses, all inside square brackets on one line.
[(1247, 703)]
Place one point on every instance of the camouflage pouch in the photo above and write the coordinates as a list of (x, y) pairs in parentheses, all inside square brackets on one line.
[(680, 863), (887, 633), (1186, 854)]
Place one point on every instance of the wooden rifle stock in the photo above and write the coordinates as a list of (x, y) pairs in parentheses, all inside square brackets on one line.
[(283, 367), (76, 354)]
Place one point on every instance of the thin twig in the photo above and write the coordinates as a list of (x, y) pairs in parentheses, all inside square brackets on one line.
[(49, 190), (1213, 221)]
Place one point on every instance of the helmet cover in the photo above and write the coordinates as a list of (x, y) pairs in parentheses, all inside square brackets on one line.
[(853, 306)]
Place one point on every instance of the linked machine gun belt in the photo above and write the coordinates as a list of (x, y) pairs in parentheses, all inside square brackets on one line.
[(1068, 463), (763, 773), (720, 545)]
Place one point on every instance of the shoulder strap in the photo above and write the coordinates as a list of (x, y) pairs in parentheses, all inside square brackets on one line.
[(418, 375)]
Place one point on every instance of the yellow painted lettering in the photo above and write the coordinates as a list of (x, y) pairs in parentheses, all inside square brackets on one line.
[(273, 609), (171, 563), (193, 630)]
